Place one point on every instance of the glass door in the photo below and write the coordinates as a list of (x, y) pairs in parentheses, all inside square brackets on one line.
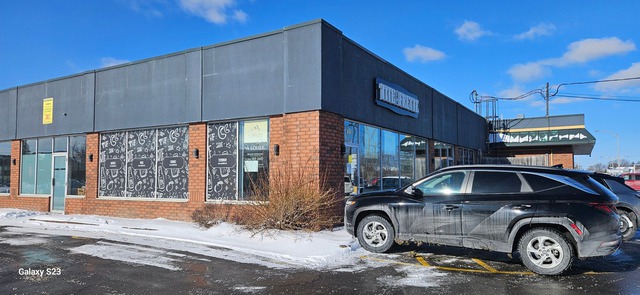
[(59, 183)]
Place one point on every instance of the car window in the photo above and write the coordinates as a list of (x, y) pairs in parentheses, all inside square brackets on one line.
[(491, 182), (446, 183), (618, 187), (541, 183)]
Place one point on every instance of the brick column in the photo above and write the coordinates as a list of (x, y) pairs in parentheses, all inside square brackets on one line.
[(197, 167), (15, 169)]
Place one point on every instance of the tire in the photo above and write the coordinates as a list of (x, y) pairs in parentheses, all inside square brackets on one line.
[(629, 224), (545, 251), (376, 234)]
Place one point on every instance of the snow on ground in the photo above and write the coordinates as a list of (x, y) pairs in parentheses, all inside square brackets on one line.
[(322, 250), (161, 243)]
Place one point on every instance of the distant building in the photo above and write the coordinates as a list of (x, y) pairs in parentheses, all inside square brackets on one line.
[(544, 141)]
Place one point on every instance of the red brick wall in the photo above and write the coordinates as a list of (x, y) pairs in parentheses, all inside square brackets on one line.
[(310, 140)]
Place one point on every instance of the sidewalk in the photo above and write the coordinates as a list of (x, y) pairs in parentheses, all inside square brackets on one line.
[(321, 250)]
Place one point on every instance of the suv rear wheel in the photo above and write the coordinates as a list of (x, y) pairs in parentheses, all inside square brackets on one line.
[(375, 234), (545, 251), (628, 224)]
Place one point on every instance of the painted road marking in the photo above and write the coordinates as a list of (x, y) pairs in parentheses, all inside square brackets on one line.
[(423, 263), (483, 264)]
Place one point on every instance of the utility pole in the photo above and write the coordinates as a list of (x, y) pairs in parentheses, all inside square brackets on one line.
[(546, 98)]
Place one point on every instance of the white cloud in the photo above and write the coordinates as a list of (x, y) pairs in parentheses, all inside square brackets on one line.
[(622, 86), (110, 61), (214, 11), (539, 30), (240, 16), (590, 49), (423, 54), (528, 72), (149, 8), (579, 52), (470, 31)]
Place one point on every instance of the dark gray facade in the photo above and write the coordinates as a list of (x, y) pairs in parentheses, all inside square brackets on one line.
[(307, 67)]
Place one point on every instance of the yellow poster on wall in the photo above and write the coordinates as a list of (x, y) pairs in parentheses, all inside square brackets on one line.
[(47, 111)]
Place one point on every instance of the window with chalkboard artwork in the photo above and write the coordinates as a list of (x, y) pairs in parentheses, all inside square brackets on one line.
[(238, 154), (149, 163)]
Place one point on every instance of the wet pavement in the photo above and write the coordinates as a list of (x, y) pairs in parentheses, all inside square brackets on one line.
[(44, 264)]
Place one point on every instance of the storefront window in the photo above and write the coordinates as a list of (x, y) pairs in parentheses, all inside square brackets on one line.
[(222, 168), (370, 166), (390, 160), (350, 133), (141, 159), (113, 150), (421, 158), (255, 154), (444, 156), (5, 167), (407, 157), (28, 169), (226, 171), (173, 163), (76, 179), (36, 169), (383, 159), (44, 168), (150, 163)]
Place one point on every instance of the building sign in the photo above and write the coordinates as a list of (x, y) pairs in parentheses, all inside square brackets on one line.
[(525, 137), (396, 98), (47, 111)]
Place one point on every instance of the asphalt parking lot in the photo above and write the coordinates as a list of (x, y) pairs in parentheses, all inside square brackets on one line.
[(51, 264)]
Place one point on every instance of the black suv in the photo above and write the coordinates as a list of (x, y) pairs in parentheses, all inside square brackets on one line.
[(628, 203), (548, 215)]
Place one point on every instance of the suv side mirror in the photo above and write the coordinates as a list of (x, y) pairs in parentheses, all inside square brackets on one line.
[(413, 191)]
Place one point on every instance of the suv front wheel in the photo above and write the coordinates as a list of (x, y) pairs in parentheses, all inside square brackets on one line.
[(375, 234), (545, 251)]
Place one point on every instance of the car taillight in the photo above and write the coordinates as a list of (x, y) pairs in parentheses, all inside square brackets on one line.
[(604, 207)]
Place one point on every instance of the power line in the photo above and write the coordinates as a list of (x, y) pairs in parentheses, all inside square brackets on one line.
[(598, 98), (593, 82)]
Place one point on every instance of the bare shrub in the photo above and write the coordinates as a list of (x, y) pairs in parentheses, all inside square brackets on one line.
[(292, 198)]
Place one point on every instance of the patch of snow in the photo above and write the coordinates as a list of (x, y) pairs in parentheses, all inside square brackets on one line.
[(279, 249), (249, 289), (414, 276), (22, 241), (6, 213), (127, 253)]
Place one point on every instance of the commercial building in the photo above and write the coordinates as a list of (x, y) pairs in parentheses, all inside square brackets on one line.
[(163, 136), (545, 141)]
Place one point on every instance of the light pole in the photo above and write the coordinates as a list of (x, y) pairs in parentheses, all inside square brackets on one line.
[(617, 142)]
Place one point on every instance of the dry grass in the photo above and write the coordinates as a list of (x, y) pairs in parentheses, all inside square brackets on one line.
[(213, 214)]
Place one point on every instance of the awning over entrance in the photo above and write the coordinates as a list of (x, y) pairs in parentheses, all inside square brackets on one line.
[(544, 132)]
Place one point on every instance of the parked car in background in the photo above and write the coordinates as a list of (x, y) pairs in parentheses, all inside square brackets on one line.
[(387, 183), (628, 204), (548, 215), (632, 180)]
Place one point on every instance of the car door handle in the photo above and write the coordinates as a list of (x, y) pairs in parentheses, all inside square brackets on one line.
[(451, 207), (522, 207)]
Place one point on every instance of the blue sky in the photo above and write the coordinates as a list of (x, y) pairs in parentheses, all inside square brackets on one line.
[(498, 48)]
